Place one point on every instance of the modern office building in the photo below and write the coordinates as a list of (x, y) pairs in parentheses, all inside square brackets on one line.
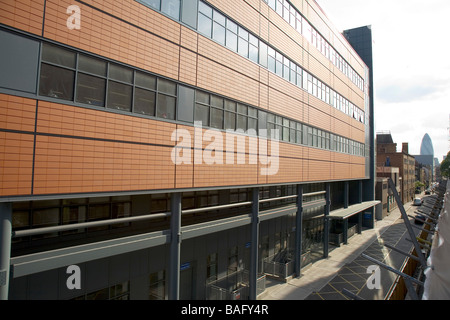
[(426, 156), (175, 149)]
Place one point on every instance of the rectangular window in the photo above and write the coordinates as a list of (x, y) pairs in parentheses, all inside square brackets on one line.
[(91, 90), (56, 82), (171, 8), (157, 286), (119, 96), (204, 25), (153, 3), (202, 114), (144, 102)]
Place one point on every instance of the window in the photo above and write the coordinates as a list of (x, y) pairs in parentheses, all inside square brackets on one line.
[(232, 38), (205, 19), (216, 112), (57, 72), (241, 117), (230, 115), (119, 87), (201, 112), (157, 286), (91, 81), (243, 42), (219, 28), (153, 3), (211, 267), (166, 100), (171, 8)]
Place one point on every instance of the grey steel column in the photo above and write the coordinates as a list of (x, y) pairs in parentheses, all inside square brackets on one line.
[(346, 194), (175, 246), (254, 245), (326, 226), (5, 247), (298, 231)]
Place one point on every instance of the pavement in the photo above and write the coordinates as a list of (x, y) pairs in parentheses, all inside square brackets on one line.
[(346, 268)]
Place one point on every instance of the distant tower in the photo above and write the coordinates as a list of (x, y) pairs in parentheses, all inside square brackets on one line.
[(426, 148)]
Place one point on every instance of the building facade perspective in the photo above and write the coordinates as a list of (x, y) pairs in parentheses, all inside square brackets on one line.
[(176, 149)]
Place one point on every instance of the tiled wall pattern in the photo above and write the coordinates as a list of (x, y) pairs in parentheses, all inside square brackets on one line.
[(50, 148)]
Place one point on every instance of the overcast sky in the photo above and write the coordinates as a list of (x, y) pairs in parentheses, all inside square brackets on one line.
[(411, 65)]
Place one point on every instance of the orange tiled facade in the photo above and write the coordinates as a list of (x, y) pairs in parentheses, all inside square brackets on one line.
[(54, 147)]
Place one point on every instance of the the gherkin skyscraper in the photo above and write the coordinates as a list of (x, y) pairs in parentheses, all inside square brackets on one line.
[(426, 148)]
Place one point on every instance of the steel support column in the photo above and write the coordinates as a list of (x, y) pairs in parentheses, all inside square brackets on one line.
[(326, 224), (254, 245), (175, 246), (5, 248), (298, 231)]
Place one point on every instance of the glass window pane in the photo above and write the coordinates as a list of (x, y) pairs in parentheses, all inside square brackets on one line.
[(232, 26), (58, 55), (243, 47), (204, 25), (46, 217), (242, 109), (202, 114), (253, 53), (216, 118), (243, 33), (119, 96), (219, 33), (252, 112), (253, 124), (219, 18), (230, 120), (216, 101), (56, 82), (263, 54), (120, 73), (153, 3), (171, 8), (241, 122), (92, 65), (231, 41), (230, 105), (144, 102), (202, 97), (145, 80), (166, 107), (205, 9), (91, 90), (167, 86)]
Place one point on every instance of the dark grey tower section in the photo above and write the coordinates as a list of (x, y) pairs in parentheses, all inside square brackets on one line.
[(361, 40)]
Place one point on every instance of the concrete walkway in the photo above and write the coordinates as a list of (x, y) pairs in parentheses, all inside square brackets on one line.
[(345, 268)]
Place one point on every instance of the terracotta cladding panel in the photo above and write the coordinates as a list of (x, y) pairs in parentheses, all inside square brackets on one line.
[(222, 80), (75, 121), (226, 57), (26, 15), (65, 165), (16, 163), (17, 113), (115, 39), (189, 38), (319, 170), (284, 44), (285, 105), (188, 67), (225, 174)]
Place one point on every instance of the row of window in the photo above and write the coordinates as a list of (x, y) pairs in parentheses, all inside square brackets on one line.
[(218, 27), (83, 79), (214, 25), (290, 14)]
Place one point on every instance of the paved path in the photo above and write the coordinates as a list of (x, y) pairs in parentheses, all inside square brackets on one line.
[(345, 268)]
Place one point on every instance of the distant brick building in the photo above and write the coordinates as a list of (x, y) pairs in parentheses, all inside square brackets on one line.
[(387, 156)]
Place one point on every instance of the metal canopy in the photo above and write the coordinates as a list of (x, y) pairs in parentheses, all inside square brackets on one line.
[(346, 213)]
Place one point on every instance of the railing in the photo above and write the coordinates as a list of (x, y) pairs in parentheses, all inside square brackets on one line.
[(281, 266), (234, 287)]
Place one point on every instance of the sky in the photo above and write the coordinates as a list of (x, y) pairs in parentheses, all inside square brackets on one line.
[(411, 50)]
